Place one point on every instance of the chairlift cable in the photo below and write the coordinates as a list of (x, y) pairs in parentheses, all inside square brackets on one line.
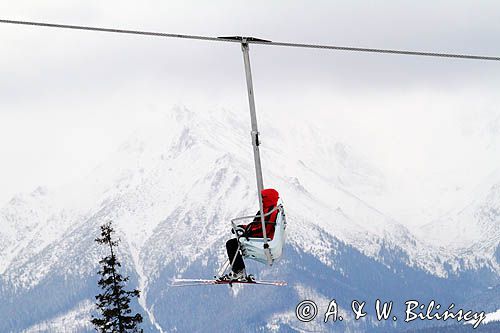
[(251, 40)]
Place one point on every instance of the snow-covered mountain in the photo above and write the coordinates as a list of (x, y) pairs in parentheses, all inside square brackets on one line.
[(171, 191), (474, 228)]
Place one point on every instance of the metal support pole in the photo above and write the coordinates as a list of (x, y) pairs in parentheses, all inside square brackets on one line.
[(255, 142)]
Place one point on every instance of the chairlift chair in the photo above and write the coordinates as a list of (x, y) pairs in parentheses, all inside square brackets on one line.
[(253, 247)]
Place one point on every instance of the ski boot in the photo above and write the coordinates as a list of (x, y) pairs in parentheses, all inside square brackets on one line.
[(238, 276), (233, 276)]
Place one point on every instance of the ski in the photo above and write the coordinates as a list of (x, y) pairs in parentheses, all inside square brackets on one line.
[(203, 282)]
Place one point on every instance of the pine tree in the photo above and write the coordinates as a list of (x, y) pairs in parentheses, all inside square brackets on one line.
[(114, 302)]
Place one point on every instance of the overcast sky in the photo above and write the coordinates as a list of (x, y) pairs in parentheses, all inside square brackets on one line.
[(67, 98)]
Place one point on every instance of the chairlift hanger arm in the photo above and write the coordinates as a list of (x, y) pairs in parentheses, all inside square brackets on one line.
[(255, 139), (253, 40)]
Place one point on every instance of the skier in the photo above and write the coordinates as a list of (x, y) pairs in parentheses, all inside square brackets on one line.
[(269, 201)]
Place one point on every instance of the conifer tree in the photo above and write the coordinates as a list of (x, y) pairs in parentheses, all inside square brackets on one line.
[(114, 302)]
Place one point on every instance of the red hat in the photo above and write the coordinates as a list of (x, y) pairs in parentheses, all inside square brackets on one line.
[(269, 197)]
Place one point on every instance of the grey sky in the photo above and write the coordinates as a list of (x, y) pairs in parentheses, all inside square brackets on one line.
[(68, 97)]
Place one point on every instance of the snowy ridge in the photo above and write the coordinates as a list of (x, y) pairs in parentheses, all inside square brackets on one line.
[(475, 229), (31, 223)]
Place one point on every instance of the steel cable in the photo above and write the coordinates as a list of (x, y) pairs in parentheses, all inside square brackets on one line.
[(251, 40)]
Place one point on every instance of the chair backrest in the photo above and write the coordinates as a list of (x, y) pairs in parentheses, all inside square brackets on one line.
[(254, 229)]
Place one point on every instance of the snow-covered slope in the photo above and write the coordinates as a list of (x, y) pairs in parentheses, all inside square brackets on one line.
[(171, 191), (473, 230)]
